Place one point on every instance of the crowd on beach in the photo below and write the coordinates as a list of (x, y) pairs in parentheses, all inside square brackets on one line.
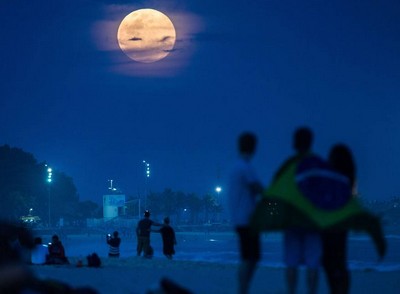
[(16, 241), (311, 196)]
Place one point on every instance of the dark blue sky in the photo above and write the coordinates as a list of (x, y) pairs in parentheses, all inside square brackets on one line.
[(73, 99)]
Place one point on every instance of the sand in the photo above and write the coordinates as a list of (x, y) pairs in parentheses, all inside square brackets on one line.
[(137, 275)]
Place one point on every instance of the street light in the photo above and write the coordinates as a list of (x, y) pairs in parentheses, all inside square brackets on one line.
[(49, 180), (111, 186), (147, 166), (218, 189)]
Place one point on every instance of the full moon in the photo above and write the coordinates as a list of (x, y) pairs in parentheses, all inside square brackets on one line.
[(146, 35)]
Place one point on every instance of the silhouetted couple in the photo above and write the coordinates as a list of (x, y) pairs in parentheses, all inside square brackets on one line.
[(143, 230)]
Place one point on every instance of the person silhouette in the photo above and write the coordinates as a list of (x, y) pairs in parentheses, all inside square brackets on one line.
[(56, 252), (113, 242), (39, 252), (301, 245), (244, 189), (168, 237), (143, 235), (334, 240)]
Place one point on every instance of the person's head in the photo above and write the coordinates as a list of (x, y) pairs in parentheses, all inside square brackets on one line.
[(37, 241), (166, 220), (247, 143), (115, 234), (302, 139), (341, 159), (147, 213), (55, 239)]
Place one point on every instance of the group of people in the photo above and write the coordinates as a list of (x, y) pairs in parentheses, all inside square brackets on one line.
[(143, 230), (309, 246), (53, 253), (16, 276)]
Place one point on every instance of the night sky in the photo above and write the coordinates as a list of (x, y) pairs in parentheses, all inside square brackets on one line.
[(72, 98)]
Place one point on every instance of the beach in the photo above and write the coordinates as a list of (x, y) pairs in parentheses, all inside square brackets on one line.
[(208, 264), (138, 275)]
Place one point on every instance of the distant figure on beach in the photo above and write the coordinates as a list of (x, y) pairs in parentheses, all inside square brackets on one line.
[(56, 252), (39, 252), (168, 237), (244, 188), (113, 242), (334, 240), (301, 245), (143, 234)]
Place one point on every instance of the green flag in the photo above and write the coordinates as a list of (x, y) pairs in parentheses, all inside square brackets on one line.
[(283, 205)]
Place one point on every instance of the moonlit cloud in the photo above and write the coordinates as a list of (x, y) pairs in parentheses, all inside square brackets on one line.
[(104, 33)]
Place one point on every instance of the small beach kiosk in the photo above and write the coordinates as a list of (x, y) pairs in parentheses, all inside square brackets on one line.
[(113, 206)]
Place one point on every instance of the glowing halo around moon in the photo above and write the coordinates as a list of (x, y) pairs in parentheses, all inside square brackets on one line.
[(146, 35)]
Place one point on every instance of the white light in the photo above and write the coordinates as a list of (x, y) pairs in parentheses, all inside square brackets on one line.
[(49, 180), (49, 170), (218, 189)]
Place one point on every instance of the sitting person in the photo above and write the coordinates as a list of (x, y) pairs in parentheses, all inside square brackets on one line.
[(56, 252), (39, 252), (113, 242)]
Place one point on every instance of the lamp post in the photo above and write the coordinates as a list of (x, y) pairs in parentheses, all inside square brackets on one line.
[(218, 189), (111, 188), (147, 167), (49, 180)]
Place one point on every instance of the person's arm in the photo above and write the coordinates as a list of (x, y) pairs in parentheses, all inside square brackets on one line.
[(153, 223)]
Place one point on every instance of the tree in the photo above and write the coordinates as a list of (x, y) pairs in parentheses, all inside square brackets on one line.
[(23, 186), (19, 177), (194, 205), (88, 209), (211, 208)]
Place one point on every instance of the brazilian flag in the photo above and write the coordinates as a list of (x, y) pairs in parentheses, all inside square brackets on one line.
[(307, 193)]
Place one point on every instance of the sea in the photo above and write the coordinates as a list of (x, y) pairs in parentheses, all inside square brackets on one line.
[(222, 247)]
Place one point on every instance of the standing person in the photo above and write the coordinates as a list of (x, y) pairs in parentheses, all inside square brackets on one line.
[(244, 187), (113, 244), (334, 240), (143, 234), (168, 237), (301, 245)]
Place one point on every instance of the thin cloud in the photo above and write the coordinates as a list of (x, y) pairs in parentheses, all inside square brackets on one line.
[(165, 39)]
